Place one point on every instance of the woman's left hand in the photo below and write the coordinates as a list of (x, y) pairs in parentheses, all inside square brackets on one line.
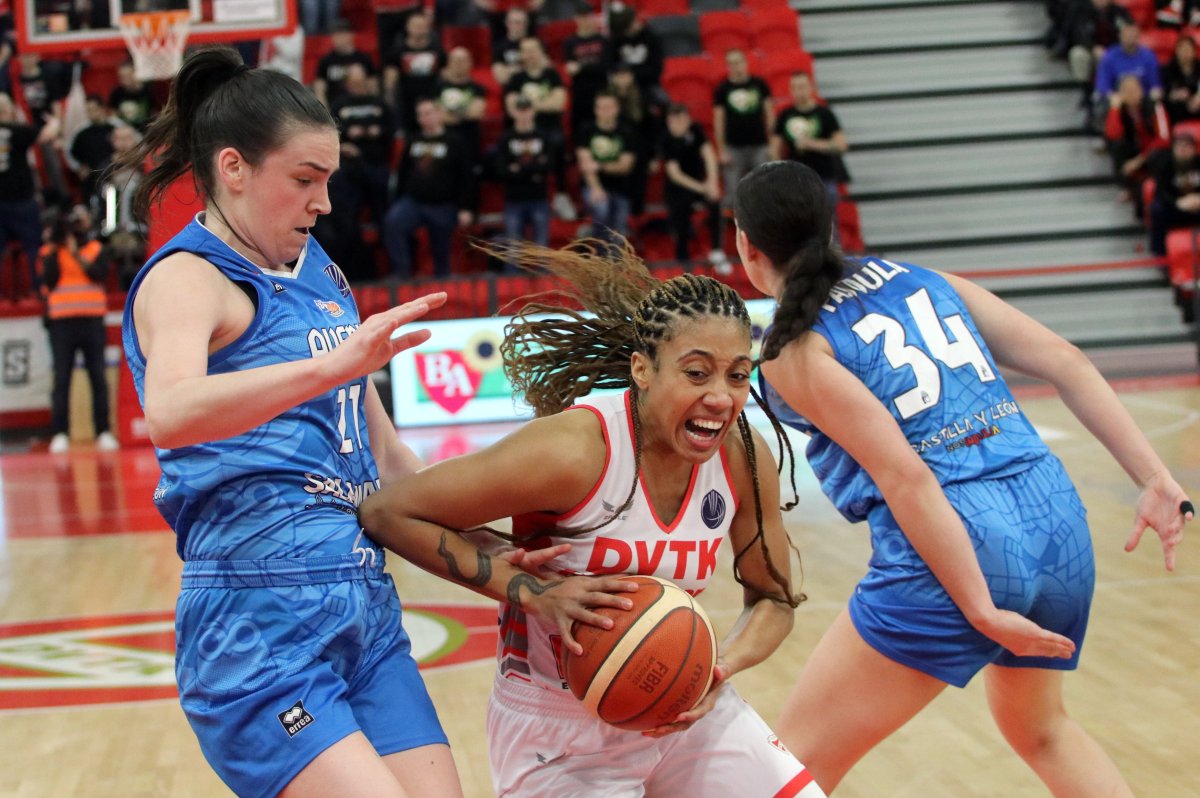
[(685, 719)]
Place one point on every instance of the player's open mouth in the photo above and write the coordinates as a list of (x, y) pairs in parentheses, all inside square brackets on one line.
[(703, 431)]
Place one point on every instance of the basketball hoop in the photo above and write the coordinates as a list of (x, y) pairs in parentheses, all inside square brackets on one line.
[(156, 40)]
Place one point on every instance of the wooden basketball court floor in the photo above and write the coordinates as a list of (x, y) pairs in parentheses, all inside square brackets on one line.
[(88, 578)]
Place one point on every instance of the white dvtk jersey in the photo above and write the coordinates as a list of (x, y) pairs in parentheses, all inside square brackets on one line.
[(682, 549)]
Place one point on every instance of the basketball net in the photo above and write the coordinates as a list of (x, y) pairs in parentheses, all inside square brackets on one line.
[(156, 40)]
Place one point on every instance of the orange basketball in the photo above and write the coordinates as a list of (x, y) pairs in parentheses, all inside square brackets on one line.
[(656, 661)]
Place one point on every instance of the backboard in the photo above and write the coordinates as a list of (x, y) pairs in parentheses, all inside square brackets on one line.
[(63, 26)]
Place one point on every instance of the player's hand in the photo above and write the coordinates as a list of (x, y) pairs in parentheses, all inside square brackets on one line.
[(1023, 637), (374, 343), (1164, 507), (534, 561), (562, 602), (685, 719)]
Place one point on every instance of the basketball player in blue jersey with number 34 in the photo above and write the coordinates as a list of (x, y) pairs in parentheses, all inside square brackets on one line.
[(252, 367), (981, 554)]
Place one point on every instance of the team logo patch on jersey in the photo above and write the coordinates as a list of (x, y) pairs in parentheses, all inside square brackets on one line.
[(712, 509), (279, 289), (295, 718), (777, 743), (332, 308), (334, 273)]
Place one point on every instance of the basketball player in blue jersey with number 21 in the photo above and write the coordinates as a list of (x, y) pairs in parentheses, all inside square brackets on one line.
[(252, 367), (982, 558)]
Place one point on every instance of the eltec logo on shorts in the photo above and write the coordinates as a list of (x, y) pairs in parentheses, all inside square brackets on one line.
[(295, 719), (109, 659)]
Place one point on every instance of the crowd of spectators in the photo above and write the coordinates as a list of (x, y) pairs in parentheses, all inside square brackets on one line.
[(1140, 89), (574, 129)]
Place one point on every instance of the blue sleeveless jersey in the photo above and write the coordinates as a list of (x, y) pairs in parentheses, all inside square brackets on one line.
[(906, 334), (291, 487)]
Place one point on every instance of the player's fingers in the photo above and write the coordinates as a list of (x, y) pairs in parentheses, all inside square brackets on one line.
[(1139, 527), (434, 300), (409, 339), (602, 599), (539, 557), (1187, 510), (564, 629), (584, 615)]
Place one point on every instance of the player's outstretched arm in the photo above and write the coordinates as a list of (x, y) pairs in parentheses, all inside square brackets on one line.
[(1021, 343), (547, 465), (182, 314), (811, 380)]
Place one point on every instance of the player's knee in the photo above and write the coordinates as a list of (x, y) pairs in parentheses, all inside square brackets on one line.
[(1035, 737)]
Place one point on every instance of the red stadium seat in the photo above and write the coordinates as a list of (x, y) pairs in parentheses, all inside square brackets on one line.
[(1183, 257), (554, 34), (778, 69), (662, 8), (690, 80), (1142, 11), (775, 29), (753, 6), (722, 31), (1161, 42), (476, 38)]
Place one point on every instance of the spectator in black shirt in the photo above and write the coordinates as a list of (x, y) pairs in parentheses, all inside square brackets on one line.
[(809, 132), (92, 147), (1181, 82), (606, 151), (412, 68), (463, 100), (131, 100), (506, 49), (640, 113), (20, 214), (331, 69), (586, 56), (435, 191), (742, 118), (367, 129), (1176, 203), (1090, 28), (639, 47), (526, 157), (691, 171), (540, 82)]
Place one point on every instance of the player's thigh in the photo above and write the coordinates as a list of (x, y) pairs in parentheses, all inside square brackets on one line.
[(848, 698), (426, 771), (1026, 703), (730, 751), (536, 752), (349, 768)]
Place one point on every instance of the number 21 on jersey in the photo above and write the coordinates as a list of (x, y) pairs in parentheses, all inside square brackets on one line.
[(964, 350)]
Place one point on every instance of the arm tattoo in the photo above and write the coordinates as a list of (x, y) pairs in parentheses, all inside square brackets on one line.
[(527, 581), (483, 565)]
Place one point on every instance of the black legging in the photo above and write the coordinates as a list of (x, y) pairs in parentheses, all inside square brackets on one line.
[(67, 336), (679, 217)]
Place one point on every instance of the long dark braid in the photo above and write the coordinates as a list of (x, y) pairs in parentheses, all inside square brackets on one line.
[(554, 361), (783, 209)]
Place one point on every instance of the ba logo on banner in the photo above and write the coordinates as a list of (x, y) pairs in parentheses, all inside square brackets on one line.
[(448, 379)]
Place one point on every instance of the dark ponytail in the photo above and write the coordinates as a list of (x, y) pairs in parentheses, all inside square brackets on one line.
[(811, 274), (216, 101), (785, 212)]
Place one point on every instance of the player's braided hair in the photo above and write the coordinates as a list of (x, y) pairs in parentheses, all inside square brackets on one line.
[(784, 210), (555, 360)]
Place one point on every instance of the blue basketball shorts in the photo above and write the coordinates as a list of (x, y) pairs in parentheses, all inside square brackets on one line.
[(1032, 540), (279, 659)]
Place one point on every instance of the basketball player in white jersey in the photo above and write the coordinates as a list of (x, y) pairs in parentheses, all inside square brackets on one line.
[(648, 481)]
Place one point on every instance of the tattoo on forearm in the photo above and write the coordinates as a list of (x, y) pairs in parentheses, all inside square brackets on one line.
[(527, 581), (483, 565)]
